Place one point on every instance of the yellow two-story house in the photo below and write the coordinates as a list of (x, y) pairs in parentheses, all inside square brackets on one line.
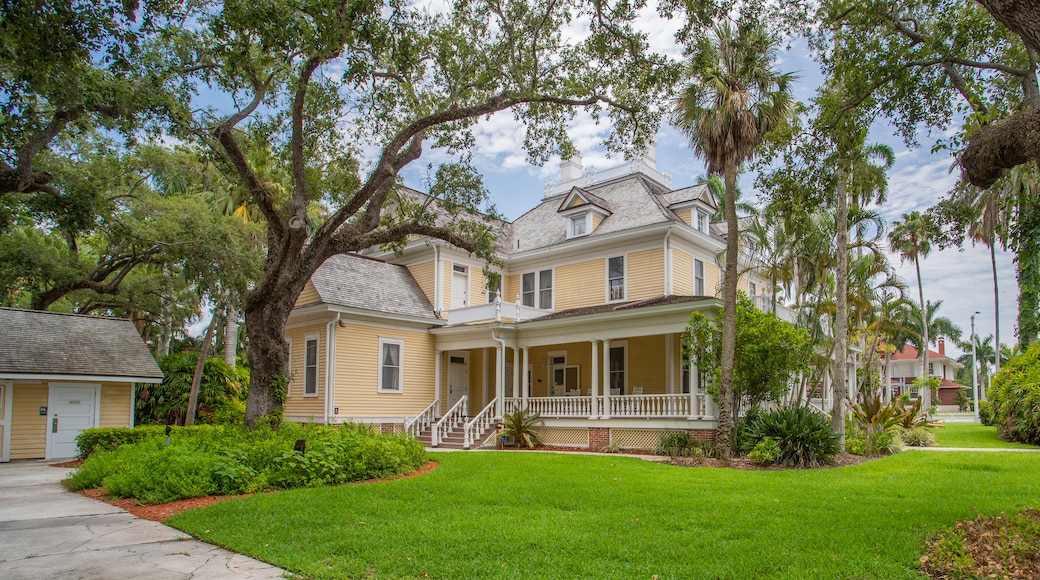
[(585, 325)]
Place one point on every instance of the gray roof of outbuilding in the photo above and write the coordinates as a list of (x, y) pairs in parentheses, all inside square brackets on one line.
[(368, 284), (34, 342)]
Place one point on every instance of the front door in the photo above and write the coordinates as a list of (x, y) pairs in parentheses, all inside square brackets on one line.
[(458, 378), (71, 409), (459, 287)]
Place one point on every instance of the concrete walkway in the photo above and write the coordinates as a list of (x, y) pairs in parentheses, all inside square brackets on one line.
[(47, 531)]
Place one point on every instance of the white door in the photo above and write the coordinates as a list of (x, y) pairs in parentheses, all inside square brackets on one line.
[(458, 379), (459, 287), (71, 409)]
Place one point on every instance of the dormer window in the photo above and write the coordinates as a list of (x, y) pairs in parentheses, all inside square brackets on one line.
[(702, 221), (579, 225)]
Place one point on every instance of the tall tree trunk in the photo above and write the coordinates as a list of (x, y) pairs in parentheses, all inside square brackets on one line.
[(729, 319), (268, 355), (841, 322), (196, 379), (927, 394), (996, 296)]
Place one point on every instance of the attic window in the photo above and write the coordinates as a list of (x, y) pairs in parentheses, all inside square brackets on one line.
[(702, 221), (579, 225)]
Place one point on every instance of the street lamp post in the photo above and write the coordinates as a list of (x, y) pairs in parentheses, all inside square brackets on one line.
[(974, 370)]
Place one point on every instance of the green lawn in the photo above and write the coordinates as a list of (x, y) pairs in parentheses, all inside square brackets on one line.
[(539, 515), (974, 436)]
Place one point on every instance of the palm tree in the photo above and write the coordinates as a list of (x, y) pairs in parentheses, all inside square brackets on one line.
[(732, 100), (912, 239), (985, 355)]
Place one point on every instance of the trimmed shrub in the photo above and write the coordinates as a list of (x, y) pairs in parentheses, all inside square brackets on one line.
[(985, 413), (1015, 398), (108, 439), (804, 437), (766, 452), (681, 444), (219, 459), (917, 437)]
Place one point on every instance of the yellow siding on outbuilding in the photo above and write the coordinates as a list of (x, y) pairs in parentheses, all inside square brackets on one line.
[(298, 405), (115, 404), (357, 372), (581, 284), (28, 427), (309, 295), (645, 274), (423, 274), (682, 273)]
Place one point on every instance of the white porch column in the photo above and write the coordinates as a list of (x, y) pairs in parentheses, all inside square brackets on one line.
[(438, 361), (516, 372), (694, 386), (606, 379), (669, 364), (594, 387), (525, 378), (500, 380)]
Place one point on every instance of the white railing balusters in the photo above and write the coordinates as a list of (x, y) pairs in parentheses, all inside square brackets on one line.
[(417, 424), (479, 424), (448, 422)]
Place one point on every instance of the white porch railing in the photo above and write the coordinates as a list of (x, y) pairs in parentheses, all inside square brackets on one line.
[(447, 424), (561, 406), (476, 426), (494, 311), (680, 405), (420, 422)]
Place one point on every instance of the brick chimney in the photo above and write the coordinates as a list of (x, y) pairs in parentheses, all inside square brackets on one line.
[(942, 346)]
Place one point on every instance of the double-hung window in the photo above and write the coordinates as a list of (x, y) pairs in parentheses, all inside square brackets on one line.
[(579, 225), (545, 289), (310, 366), (527, 289), (390, 366), (702, 221), (698, 277), (616, 278)]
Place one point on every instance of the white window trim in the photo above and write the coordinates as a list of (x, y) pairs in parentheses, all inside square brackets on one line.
[(697, 214), (534, 288), (624, 279), (288, 369), (703, 276), (400, 366), (317, 364), (538, 289), (467, 301), (587, 217)]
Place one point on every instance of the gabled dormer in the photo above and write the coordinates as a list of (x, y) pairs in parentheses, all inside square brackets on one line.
[(584, 211), (696, 210)]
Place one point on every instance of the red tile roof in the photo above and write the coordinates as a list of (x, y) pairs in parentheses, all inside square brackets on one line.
[(910, 353)]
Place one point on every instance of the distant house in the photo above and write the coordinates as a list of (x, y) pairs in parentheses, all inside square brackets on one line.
[(62, 373), (595, 286), (905, 366)]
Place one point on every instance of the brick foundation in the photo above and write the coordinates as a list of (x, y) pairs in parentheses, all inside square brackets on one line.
[(388, 428), (599, 437), (703, 434)]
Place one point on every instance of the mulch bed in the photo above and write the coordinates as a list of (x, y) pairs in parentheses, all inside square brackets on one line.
[(840, 460), (160, 512), (986, 547)]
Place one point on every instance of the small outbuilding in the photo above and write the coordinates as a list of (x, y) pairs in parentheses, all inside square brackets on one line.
[(62, 373)]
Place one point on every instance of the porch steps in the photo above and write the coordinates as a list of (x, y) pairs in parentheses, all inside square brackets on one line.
[(455, 439)]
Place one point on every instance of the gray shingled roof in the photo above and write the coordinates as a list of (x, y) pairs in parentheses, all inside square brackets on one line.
[(49, 343), (368, 284), (634, 200)]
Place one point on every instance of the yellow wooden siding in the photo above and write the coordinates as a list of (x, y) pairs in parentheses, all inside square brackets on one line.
[(28, 427), (477, 286), (115, 404), (308, 296), (646, 364), (685, 215), (423, 274), (712, 283), (510, 287), (596, 220), (357, 372), (446, 277), (298, 405), (645, 274), (682, 273), (581, 284)]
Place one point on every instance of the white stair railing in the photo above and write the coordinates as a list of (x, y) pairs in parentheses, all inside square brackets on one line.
[(420, 422), (449, 421), (479, 424)]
